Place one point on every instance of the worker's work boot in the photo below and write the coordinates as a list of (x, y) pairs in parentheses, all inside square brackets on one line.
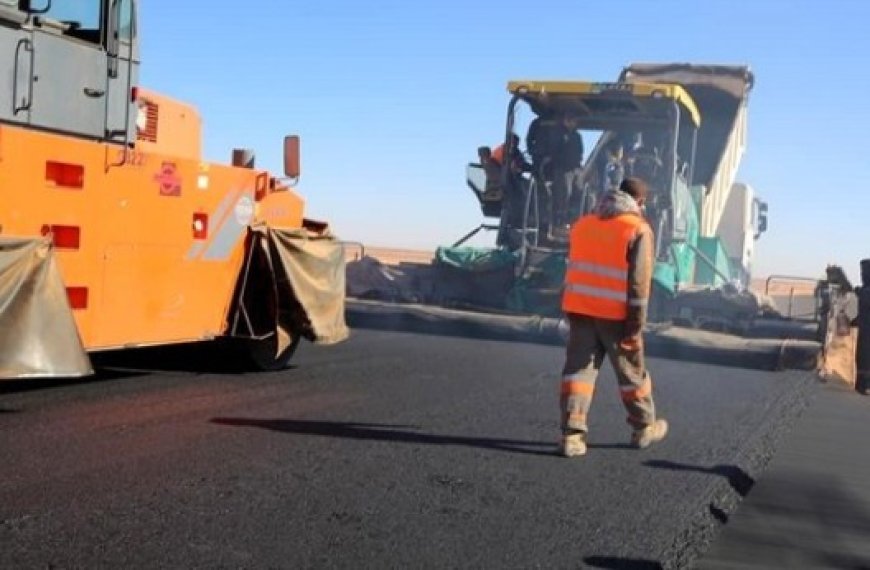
[(653, 433), (573, 445)]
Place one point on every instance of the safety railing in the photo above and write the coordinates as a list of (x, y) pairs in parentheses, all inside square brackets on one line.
[(792, 294), (358, 250)]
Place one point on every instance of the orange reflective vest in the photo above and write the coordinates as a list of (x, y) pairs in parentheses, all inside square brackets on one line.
[(498, 154), (596, 281)]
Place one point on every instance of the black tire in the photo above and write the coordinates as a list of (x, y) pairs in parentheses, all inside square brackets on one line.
[(261, 353)]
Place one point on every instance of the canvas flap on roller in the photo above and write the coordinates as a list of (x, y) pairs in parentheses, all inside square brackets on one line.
[(311, 266), (38, 333)]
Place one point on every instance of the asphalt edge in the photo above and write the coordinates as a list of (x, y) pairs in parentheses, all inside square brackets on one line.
[(753, 460)]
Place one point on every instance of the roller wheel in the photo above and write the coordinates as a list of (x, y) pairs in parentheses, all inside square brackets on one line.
[(261, 353)]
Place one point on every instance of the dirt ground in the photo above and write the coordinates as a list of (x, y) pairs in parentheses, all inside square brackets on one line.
[(396, 255), (388, 255)]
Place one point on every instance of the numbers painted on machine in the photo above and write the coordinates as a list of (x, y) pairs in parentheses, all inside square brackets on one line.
[(133, 158)]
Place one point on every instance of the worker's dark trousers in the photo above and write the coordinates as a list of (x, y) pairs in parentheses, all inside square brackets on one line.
[(565, 183), (589, 340), (862, 356)]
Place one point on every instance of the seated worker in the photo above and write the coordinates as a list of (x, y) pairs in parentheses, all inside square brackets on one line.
[(614, 167), (644, 161)]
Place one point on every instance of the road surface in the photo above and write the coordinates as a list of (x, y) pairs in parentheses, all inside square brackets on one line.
[(390, 450)]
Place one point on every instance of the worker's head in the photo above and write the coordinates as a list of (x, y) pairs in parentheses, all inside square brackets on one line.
[(484, 153), (615, 150), (570, 120), (636, 188)]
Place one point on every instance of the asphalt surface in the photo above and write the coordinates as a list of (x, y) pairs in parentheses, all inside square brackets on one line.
[(391, 450), (811, 506)]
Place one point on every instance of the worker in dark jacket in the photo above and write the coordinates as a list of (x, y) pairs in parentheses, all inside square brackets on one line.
[(862, 354), (607, 288), (557, 155)]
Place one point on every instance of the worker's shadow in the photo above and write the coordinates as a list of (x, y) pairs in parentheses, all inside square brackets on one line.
[(616, 563), (739, 480), (390, 433)]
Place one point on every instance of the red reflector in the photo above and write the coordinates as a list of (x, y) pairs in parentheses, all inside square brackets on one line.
[(78, 297), (200, 225), (261, 186), (66, 237), (134, 94), (65, 175)]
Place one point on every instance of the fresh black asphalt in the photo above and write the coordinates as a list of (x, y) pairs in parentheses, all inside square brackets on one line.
[(391, 450)]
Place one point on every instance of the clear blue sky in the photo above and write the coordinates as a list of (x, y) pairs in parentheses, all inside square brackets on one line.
[(392, 98)]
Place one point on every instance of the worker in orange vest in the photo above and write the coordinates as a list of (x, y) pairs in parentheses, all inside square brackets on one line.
[(607, 287), (518, 163)]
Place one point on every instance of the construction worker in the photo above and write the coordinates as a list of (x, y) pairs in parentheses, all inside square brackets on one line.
[(614, 168), (516, 187), (492, 169), (518, 163), (862, 321), (607, 287), (557, 150)]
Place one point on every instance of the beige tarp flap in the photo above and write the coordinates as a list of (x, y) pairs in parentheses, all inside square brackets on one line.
[(38, 334), (314, 265)]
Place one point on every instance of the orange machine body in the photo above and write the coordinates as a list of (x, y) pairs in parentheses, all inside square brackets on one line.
[(150, 238)]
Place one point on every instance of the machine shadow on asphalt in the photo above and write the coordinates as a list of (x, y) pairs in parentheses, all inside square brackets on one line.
[(389, 433), (215, 358), (32, 385), (199, 358)]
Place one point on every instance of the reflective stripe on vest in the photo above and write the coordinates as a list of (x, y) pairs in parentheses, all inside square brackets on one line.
[(596, 281), (598, 269), (597, 292)]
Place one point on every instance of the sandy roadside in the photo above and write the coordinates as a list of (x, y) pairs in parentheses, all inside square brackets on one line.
[(397, 255)]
